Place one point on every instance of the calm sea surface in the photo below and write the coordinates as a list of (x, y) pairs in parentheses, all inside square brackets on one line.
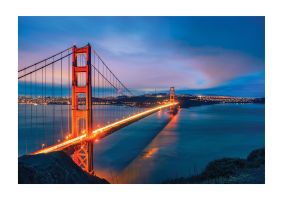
[(158, 147)]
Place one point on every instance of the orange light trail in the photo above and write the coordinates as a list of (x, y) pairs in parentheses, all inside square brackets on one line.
[(101, 131), (151, 152)]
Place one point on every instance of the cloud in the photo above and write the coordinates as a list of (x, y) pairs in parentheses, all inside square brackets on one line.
[(219, 68), (251, 85), (130, 44), (144, 65), (153, 52)]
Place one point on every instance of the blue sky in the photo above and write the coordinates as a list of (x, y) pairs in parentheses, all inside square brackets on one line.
[(203, 55)]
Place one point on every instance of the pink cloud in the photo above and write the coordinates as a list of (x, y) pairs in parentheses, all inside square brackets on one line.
[(142, 65)]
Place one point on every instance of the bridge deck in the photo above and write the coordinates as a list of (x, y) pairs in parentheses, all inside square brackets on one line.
[(104, 131)]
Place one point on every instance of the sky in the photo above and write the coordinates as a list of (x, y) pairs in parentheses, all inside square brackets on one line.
[(197, 55)]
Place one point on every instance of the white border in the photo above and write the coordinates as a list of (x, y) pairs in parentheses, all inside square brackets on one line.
[(10, 10)]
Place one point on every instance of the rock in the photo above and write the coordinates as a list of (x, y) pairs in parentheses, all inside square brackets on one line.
[(231, 170), (256, 158), (223, 168), (55, 167)]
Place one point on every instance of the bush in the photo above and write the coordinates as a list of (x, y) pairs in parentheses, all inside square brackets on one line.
[(256, 158), (223, 168)]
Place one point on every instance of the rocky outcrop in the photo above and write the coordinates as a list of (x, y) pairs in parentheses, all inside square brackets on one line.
[(231, 170), (55, 167)]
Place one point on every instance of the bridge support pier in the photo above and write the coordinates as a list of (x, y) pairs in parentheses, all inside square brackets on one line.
[(82, 106), (83, 157)]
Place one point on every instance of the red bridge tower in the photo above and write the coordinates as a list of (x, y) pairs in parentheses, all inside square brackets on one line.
[(82, 114)]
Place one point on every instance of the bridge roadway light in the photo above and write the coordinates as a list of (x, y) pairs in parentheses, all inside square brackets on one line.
[(97, 132)]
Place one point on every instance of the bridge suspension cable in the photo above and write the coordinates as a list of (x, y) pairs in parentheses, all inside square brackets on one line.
[(62, 107), (44, 60), (45, 65), (45, 99), (114, 76)]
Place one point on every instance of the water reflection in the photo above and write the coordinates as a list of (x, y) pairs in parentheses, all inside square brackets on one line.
[(114, 153), (182, 147), (150, 153), (156, 148), (140, 169)]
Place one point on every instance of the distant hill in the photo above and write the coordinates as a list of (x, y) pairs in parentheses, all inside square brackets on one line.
[(55, 167)]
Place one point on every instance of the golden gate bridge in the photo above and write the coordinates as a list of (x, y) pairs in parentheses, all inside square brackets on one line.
[(85, 98)]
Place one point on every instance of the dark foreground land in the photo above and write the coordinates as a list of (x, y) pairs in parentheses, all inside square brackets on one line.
[(56, 167), (230, 170)]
